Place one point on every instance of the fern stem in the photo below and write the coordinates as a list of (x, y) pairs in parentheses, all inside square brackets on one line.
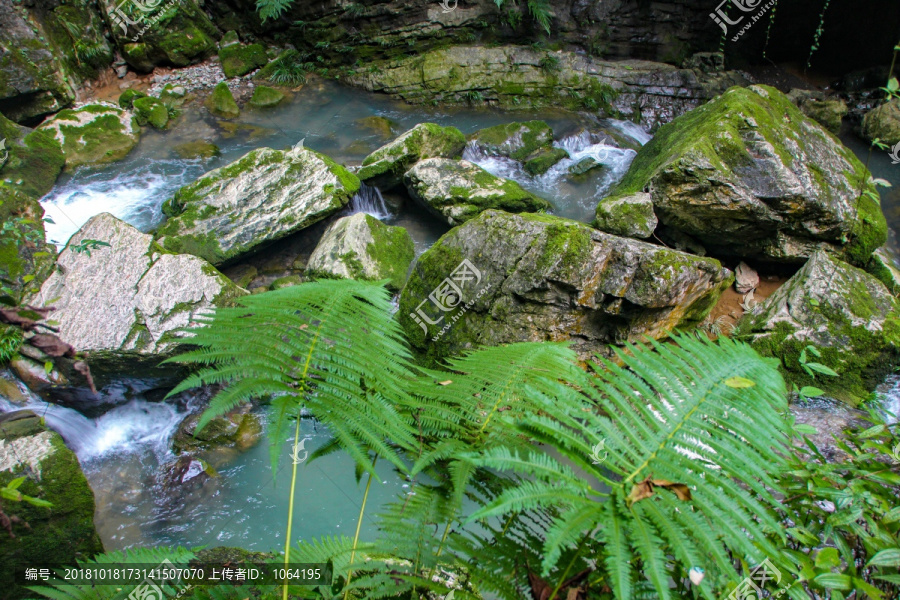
[(362, 510), (565, 573), (287, 535)]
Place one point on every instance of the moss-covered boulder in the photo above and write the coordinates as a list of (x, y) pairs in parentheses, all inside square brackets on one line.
[(35, 75), (503, 278), (30, 161), (266, 97), (748, 175), (179, 35), (517, 140), (151, 111), (127, 98), (385, 167), (197, 149), (828, 113), (629, 216), (221, 102), (124, 304), (847, 315), (58, 534), (883, 122), (362, 247), (25, 257), (457, 190), (263, 196), (94, 134), (585, 166), (542, 161), (237, 59), (382, 127), (884, 268), (238, 428)]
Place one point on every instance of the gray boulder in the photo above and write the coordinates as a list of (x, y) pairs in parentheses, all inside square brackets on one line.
[(503, 278), (629, 216), (848, 316), (262, 197), (457, 190), (362, 247), (883, 122), (748, 175), (514, 140), (124, 304), (384, 168)]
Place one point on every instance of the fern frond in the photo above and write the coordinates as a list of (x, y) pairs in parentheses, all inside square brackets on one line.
[(272, 9), (329, 346), (698, 419)]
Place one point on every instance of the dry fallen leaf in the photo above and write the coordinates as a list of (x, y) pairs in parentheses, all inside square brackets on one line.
[(645, 489), (448, 382)]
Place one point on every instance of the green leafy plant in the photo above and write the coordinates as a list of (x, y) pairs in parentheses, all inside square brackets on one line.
[(844, 538), (85, 246), (549, 64), (272, 9), (817, 36), (289, 69)]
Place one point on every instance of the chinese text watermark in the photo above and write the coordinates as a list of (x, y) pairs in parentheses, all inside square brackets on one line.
[(720, 15), (448, 298)]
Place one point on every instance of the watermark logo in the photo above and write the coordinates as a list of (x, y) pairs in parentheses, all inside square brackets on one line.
[(721, 18), (295, 455), (4, 153), (751, 588), (596, 450), (448, 297), (148, 590), (894, 154), (294, 153), (148, 13), (445, 6)]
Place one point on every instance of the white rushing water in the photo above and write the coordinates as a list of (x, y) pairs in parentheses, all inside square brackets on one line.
[(571, 198), (370, 201), (135, 196), (136, 426), (632, 130)]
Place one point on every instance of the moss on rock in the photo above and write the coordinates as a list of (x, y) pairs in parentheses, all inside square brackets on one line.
[(127, 98), (151, 110), (542, 161), (237, 60), (94, 134), (266, 97), (849, 316), (517, 140), (385, 167), (883, 122), (197, 149), (57, 535), (221, 102)]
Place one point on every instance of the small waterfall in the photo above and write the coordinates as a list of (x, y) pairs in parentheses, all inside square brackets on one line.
[(129, 428), (889, 395), (632, 130), (370, 201)]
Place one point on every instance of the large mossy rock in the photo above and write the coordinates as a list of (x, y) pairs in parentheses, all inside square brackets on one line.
[(846, 314), (457, 190), (124, 304), (25, 257), (385, 167), (362, 247), (179, 36), (34, 159), (883, 122), (237, 59), (517, 140), (266, 97), (94, 134), (56, 535), (536, 277), (748, 175), (263, 196)]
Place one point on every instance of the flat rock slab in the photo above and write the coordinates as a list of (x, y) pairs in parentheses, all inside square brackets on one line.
[(385, 167), (262, 197)]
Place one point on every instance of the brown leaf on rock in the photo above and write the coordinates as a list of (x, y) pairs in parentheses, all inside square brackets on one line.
[(26, 317), (645, 489), (51, 345), (83, 368)]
